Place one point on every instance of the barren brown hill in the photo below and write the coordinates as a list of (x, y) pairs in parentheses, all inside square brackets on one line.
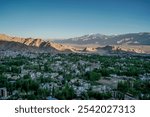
[(39, 45), (31, 44)]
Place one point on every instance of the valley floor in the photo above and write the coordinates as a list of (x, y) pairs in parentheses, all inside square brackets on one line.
[(68, 76)]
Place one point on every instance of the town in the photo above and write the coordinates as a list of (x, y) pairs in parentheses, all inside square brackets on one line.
[(74, 76)]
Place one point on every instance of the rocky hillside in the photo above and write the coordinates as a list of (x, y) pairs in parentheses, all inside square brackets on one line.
[(30, 44), (8, 43), (128, 39)]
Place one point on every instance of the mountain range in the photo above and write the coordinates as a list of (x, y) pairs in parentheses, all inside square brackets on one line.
[(30, 44), (142, 38), (110, 44)]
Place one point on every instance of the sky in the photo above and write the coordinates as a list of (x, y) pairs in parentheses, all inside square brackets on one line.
[(58, 19)]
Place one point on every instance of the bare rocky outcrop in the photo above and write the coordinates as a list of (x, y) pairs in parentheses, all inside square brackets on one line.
[(18, 43)]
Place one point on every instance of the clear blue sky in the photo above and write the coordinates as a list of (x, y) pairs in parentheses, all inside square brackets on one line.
[(70, 18)]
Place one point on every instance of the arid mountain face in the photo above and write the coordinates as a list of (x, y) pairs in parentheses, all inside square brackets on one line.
[(128, 39), (30, 44), (17, 44)]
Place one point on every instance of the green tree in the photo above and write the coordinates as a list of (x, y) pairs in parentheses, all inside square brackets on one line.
[(67, 93), (92, 76)]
